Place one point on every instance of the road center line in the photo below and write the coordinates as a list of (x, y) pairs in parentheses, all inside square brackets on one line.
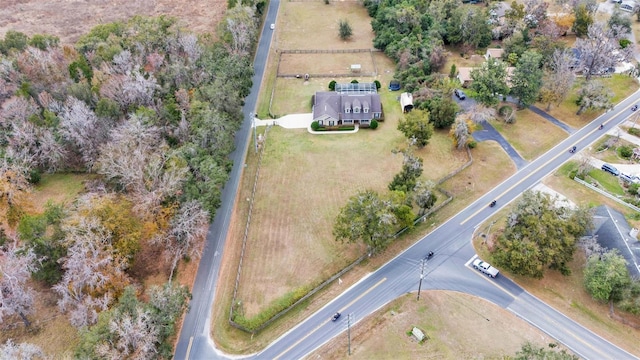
[(326, 321), (530, 174)]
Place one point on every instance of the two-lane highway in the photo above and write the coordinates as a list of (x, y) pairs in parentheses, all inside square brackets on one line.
[(194, 341), (448, 269)]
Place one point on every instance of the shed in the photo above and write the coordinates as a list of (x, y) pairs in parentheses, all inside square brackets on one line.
[(464, 76), (494, 53), (406, 102), (356, 68)]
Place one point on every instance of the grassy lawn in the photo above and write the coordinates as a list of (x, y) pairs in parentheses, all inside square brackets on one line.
[(450, 320), (607, 181), (531, 135), (59, 189), (621, 85), (611, 154), (314, 25), (325, 63)]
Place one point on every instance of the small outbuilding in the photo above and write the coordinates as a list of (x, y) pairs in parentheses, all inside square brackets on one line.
[(406, 102)]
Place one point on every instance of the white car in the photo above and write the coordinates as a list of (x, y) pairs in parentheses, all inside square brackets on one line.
[(273, 26)]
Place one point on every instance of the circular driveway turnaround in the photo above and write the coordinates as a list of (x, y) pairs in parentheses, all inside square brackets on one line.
[(446, 270)]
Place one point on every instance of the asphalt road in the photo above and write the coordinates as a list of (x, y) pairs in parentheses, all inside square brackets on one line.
[(194, 341), (446, 270)]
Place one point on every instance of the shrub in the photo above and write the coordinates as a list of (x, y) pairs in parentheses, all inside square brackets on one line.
[(625, 151), (332, 85), (378, 85), (624, 43), (633, 189), (374, 124), (34, 176), (315, 126), (634, 131), (354, 81), (472, 144)]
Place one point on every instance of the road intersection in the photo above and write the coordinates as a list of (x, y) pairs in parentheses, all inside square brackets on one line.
[(447, 270)]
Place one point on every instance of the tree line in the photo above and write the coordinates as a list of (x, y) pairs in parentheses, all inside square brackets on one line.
[(149, 111)]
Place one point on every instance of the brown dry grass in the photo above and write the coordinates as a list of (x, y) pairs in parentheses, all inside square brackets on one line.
[(325, 63), (71, 19), (314, 25), (531, 135), (451, 321)]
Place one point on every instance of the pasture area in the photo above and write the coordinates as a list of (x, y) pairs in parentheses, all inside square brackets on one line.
[(325, 63), (304, 180), (315, 25), (293, 96)]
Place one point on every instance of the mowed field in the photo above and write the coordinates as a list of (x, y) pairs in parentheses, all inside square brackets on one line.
[(325, 63), (458, 326)]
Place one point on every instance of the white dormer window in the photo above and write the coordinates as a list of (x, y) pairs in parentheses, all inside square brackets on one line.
[(347, 107), (365, 110)]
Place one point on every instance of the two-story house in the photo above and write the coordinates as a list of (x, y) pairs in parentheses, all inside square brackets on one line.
[(349, 104)]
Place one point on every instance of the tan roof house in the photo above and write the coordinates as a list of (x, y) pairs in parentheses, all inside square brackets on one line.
[(494, 53), (349, 104)]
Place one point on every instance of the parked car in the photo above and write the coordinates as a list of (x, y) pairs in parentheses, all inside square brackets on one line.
[(394, 85), (610, 169), (626, 178), (460, 94)]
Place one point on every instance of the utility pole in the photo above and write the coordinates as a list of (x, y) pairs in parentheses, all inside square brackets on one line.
[(422, 263), (349, 331), (255, 131)]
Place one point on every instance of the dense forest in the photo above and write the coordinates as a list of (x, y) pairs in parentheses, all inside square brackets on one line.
[(147, 112)]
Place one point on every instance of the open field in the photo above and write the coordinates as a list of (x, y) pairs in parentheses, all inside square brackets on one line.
[(621, 86), (315, 25), (326, 63), (451, 321), (531, 135), (59, 189), (70, 19)]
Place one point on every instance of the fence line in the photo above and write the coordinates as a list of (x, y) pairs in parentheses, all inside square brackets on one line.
[(326, 51), (246, 229), (344, 270), (340, 75), (614, 198)]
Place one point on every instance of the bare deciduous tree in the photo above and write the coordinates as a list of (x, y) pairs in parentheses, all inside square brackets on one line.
[(188, 227), (16, 297), (21, 351), (460, 132), (559, 77), (241, 27), (80, 125), (93, 273), (131, 88), (594, 95), (135, 336), (596, 51), (424, 194), (142, 163)]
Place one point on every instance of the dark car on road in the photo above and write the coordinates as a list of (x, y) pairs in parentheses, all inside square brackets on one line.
[(460, 94)]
